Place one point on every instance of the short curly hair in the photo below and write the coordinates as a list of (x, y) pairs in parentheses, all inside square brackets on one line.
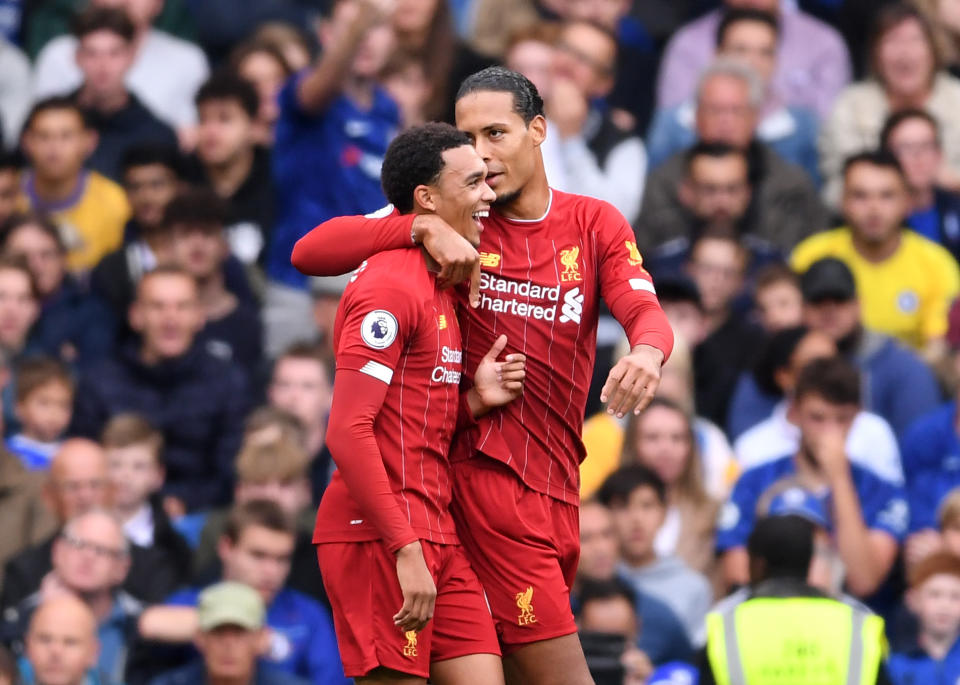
[(414, 158)]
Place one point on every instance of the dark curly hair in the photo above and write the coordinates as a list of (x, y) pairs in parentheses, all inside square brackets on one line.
[(414, 158), (526, 100)]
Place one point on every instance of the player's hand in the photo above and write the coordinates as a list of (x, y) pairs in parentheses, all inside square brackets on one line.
[(498, 382), (633, 381), (419, 590), (458, 259)]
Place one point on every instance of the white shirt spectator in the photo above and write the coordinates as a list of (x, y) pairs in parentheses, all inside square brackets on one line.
[(14, 91), (871, 444), (165, 75)]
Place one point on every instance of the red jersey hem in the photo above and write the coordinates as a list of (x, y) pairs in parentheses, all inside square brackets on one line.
[(537, 485)]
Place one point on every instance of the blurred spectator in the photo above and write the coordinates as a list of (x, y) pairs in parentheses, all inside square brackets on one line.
[(90, 558), (301, 384), (900, 387), (287, 39), (781, 609), (61, 644), (266, 67), (751, 37), (105, 52), (73, 325), (19, 307), (595, 157), (949, 522), (608, 626), (9, 673), (784, 206), (906, 73), (272, 469), (662, 439), (45, 390), (334, 127), (405, 80), (230, 637), (637, 498), (778, 301), (729, 342), (133, 448), (195, 399), (867, 516), (9, 185), (16, 89), (229, 161), (223, 23), (944, 16), (231, 329), (78, 482), (905, 281), (812, 65), (326, 293), (662, 637), (870, 443), (255, 550), (934, 598), (89, 209), (913, 136), (166, 70)]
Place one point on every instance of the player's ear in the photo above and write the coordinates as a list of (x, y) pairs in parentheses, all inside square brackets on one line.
[(423, 197), (538, 129)]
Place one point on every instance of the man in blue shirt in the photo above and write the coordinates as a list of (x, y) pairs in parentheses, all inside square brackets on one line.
[(334, 127), (256, 549), (934, 598), (867, 516)]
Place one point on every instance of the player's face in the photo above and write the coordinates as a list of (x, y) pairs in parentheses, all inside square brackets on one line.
[(914, 142), (225, 130), (104, 58), (875, 202), (260, 559), (149, 190), (18, 308), (724, 112), (937, 604), (200, 250), (506, 144), (57, 144), (663, 443), (598, 543), (462, 195), (167, 315), (637, 521), (42, 254), (753, 43), (780, 306)]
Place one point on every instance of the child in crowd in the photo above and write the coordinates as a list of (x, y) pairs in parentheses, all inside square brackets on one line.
[(934, 598), (777, 298), (44, 392)]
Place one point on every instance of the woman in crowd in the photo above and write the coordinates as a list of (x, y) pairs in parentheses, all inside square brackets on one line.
[(263, 65)]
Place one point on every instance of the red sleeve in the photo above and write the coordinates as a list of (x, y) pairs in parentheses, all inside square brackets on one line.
[(339, 245), (356, 401), (465, 417), (626, 286)]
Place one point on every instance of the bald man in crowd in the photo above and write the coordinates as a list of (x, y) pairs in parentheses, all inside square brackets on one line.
[(62, 642), (77, 483)]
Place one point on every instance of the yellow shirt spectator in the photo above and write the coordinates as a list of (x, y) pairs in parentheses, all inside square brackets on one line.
[(906, 295), (91, 220)]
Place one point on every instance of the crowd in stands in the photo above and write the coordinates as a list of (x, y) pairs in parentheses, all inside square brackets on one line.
[(791, 169)]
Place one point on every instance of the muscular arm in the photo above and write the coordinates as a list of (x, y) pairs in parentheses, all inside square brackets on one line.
[(340, 245)]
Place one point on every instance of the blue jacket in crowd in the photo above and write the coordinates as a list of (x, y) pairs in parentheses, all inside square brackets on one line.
[(915, 667), (199, 403), (195, 673), (930, 450), (74, 326)]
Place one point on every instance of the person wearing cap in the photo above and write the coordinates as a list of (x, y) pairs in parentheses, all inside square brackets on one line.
[(906, 282), (897, 384), (867, 515), (230, 639), (781, 624), (933, 598)]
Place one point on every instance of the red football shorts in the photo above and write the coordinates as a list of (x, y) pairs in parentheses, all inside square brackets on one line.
[(523, 545), (364, 593)]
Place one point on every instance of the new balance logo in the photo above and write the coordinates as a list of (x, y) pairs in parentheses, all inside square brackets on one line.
[(572, 308)]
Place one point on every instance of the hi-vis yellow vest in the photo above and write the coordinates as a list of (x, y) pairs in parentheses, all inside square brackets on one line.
[(794, 641)]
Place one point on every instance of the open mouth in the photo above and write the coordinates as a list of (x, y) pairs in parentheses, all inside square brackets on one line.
[(477, 216)]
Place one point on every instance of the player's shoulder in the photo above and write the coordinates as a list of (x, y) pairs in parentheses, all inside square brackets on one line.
[(396, 275)]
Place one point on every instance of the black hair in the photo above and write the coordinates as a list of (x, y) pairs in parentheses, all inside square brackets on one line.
[(833, 378), (614, 588), (715, 150), (900, 116), (9, 161), (54, 103), (784, 544), (195, 207), (111, 19), (879, 158), (226, 84), (526, 100), (736, 15), (775, 355), (620, 484), (415, 158), (147, 154)]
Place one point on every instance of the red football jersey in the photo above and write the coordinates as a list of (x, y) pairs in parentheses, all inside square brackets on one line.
[(541, 285), (394, 324)]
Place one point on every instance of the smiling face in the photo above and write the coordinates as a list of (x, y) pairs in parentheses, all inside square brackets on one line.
[(461, 196), (506, 144), (905, 59)]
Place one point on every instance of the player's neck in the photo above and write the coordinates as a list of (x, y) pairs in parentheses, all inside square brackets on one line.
[(533, 200)]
